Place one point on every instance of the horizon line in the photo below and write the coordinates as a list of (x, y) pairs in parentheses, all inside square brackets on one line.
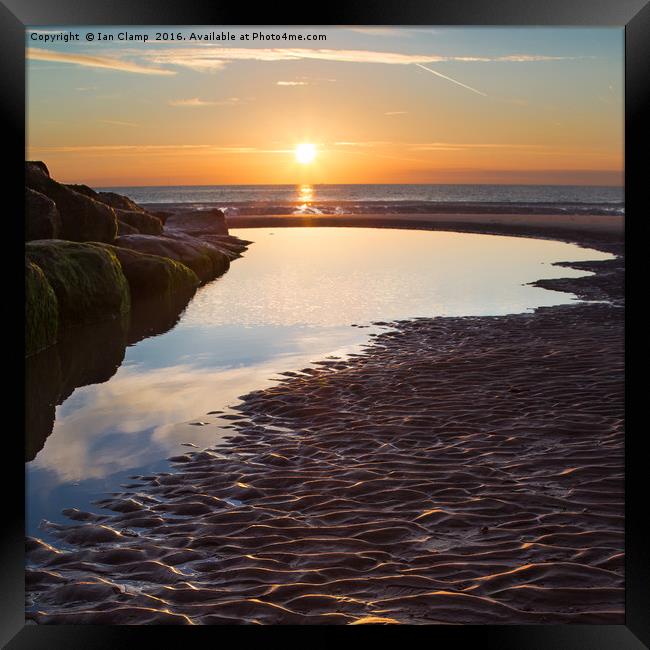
[(297, 184)]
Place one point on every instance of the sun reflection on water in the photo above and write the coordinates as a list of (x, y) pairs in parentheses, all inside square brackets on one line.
[(306, 193)]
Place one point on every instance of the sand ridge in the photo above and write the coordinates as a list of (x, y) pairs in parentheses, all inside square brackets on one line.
[(457, 470)]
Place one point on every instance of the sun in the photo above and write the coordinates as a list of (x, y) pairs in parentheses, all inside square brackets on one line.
[(305, 153)]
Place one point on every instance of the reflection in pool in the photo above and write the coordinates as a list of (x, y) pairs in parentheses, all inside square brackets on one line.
[(126, 403)]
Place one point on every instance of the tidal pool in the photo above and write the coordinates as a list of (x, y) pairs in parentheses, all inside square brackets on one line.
[(289, 301)]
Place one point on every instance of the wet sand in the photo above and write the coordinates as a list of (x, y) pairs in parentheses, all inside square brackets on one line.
[(575, 227), (457, 470)]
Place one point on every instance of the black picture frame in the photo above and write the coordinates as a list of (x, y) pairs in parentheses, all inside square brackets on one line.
[(633, 15)]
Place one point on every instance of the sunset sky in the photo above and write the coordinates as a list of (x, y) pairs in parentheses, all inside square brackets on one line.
[(380, 105)]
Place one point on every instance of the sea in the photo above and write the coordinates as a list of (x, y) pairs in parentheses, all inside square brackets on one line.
[(373, 199)]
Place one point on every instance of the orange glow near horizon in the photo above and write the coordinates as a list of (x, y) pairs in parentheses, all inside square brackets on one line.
[(337, 165)]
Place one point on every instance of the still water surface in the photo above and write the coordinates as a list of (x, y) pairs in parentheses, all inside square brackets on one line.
[(292, 299)]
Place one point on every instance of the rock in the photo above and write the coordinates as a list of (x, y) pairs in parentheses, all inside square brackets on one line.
[(40, 165), (41, 310), (42, 219), (82, 217), (152, 276), (126, 211), (204, 259), (228, 244), (85, 190), (87, 279), (119, 202), (126, 229), (143, 222), (198, 222), (161, 214)]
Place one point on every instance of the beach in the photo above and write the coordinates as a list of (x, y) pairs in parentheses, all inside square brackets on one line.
[(570, 227), (456, 470), (290, 364)]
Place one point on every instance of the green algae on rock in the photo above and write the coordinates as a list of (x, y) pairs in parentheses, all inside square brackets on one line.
[(153, 275), (87, 279), (204, 259), (41, 310)]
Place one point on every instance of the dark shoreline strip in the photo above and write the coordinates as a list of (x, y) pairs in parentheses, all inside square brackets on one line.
[(581, 229)]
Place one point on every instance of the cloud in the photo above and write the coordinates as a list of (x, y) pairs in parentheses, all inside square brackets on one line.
[(537, 149), (372, 146), (117, 123), (195, 102), (37, 54), (305, 81), (437, 146), (391, 31), (395, 113), (152, 149), (214, 58), (458, 83), (368, 143), (368, 147), (376, 31), (210, 58), (528, 58), (137, 148)]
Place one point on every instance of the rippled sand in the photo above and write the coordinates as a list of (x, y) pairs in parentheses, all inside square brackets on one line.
[(459, 470)]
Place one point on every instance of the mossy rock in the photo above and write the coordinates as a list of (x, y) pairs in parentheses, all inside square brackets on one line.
[(204, 259), (87, 279), (154, 276), (41, 310)]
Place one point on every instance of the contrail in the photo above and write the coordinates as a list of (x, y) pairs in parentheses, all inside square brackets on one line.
[(458, 83)]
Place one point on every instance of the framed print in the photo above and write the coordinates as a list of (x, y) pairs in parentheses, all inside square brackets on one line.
[(326, 322)]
